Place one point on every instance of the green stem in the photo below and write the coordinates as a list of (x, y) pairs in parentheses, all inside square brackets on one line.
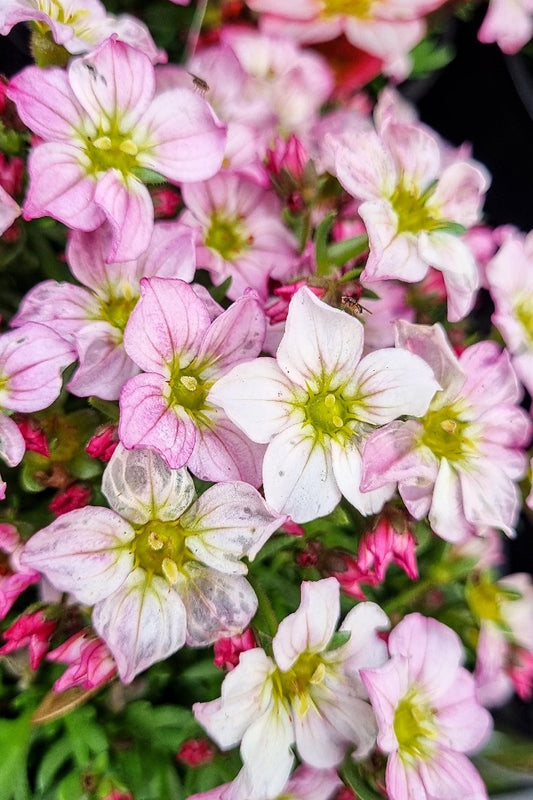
[(405, 598), (266, 610)]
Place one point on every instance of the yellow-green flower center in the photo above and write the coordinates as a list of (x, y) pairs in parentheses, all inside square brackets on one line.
[(227, 236), (189, 390), (352, 8), (414, 726), (56, 11), (446, 435), (159, 548), (410, 206), (524, 314), (294, 685), (117, 310), (111, 149)]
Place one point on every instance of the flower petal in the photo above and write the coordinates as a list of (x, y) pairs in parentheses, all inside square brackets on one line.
[(130, 212)]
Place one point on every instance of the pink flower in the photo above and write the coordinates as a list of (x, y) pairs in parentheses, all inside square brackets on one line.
[(309, 694), (31, 362), (159, 567), (102, 127), (414, 205), (472, 437), (14, 578), (509, 23), (239, 232), (183, 353), (104, 442), (228, 649), (510, 281), (33, 435), (90, 664), (9, 210), (427, 714), (79, 25), (32, 631), (315, 404), (94, 316), (388, 29)]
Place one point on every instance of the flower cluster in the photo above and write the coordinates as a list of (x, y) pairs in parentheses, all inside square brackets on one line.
[(255, 448)]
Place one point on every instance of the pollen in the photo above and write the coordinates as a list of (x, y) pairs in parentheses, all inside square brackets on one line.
[(154, 541), (128, 147), (190, 382), (170, 570), (449, 425), (103, 143)]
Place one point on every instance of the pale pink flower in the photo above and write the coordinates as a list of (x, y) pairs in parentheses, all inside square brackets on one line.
[(90, 664), (306, 783), (33, 631), (94, 316), (31, 362), (414, 203), (509, 23), (315, 404), (103, 127), (309, 694), (14, 578), (472, 437), (79, 25), (239, 233), (9, 210), (183, 353), (510, 281), (159, 567), (388, 29), (427, 713)]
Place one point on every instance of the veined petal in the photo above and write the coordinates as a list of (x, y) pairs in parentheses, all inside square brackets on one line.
[(84, 552), (389, 383), (147, 421), (236, 335), (319, 340), (9, 210), (12, 444), (142, 622), (140, 487), (498, 508), (222, 452), (188, 140), (364, 648), (266, 752), (115, 80), (393, 255), (246, 694), (366, 169), (128, 207), (347, 468), (298, 477), (447, 515), (259, 398), (392, 454), (60, 187), (450, 254), (317, 740), (227, 522), (63, 306), (217, 604), (416, 152), (311, 626), (459, 192), (104, 366), (450, 774), (152, 339), (45, 102)]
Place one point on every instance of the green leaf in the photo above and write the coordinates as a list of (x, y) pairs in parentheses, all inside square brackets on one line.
[(338, 639), (321, 244), (428, 56), (148, 176), (15, 739), (218, 293), (107, 408), (340, 253), (351, 776), (54, 758)]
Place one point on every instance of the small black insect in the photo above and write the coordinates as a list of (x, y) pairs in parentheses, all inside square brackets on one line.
[(353, 306)]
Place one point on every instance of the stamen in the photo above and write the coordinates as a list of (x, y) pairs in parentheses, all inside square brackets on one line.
[(154, 541), (449, 425), (329, 400), (128, 147), (102, 143), (189, 382), (170, 570)]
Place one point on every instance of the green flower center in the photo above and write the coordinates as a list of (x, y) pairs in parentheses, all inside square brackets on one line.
[(326, 412), (159, 549), (486, 601), (189, 390), (353, 8), (445, 434), (524, 315), (227, 236), (111, 149), (117, 310), (411, 209), (293, 686), (414, 726), (56, 10)]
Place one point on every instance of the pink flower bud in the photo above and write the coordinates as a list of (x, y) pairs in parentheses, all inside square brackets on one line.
[(32, 631), (228, 649), (74, 496), (195, 752), (521, 673), (287, 154), (104, 442), (90, 664), (33, 435), (166, 202), (385, 545)]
